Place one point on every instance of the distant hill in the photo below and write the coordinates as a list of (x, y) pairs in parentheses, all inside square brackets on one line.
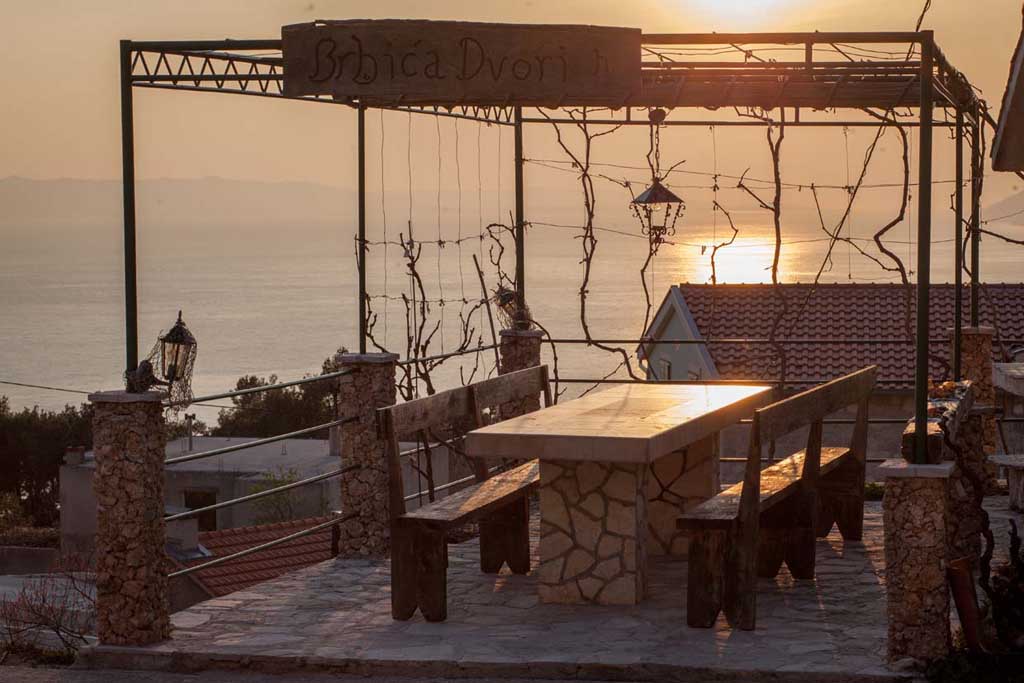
[(69, 203)]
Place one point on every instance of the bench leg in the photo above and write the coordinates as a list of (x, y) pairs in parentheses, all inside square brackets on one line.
[(771, 551), (826, 515), (505, 537), (842, 493), (431, 549), (705, 577), (518, 548), (739, 594), (801, 543), (403, 572)]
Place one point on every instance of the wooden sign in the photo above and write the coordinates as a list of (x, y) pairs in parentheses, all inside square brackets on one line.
[(449, 63)]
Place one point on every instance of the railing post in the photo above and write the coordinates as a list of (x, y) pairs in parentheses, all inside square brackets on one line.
[(131, 316), (924, 239), (976, 348), (132, 605), (520, 227), (958, 256), (519, 349), (915, 514), (364, 490)]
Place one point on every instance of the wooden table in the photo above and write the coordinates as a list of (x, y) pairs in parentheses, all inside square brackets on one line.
[(616, 469)]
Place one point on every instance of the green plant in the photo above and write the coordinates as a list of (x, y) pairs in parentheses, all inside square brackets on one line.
[(268, 413), (874, 490), (32, 445)]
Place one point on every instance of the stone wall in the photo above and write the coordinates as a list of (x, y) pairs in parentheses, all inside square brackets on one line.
[(365, 490), (915, 513), (131, 565)]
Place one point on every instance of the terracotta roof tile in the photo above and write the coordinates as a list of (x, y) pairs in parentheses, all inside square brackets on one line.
[(262, 566), (834, 311)]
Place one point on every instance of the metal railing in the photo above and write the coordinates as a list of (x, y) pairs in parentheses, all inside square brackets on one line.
[(261, 494), (260, 389), (263, 546), (258, 442), (451, 354)]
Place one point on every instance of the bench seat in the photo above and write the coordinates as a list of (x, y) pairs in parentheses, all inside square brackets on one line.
[(478, 499), (778, 482)]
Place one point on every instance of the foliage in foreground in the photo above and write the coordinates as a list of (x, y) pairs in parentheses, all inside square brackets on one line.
[(51, 614), (268, 413), (32, 444)]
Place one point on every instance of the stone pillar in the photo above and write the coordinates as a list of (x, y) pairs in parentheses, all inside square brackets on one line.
[(915, 514), (365, 490), (131, 564), (519, 349), (976, 365)]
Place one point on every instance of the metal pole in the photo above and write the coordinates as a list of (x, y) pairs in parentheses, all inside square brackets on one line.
[(131, 306), (976, 175), (924, 239), (958, 258), (520, 232), (361, 249)]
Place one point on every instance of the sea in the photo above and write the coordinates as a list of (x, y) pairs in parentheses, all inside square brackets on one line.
[(276, 304)]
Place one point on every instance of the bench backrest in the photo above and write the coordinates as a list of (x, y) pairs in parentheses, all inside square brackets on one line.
[(444, 418), (808, 408)]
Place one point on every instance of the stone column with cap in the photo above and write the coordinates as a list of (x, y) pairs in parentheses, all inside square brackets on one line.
[(129, 442), (365, 490), (519, 349), (976, 366), (915, 513)]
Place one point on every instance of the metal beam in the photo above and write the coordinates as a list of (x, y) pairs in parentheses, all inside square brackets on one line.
[(784, 38), (958, 257), (977, 170), (131, 309), (361, 247), (924, 239), (520, 232), (733, 123)]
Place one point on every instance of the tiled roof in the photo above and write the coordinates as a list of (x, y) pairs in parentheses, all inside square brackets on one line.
[(262, 566), (838, 311)]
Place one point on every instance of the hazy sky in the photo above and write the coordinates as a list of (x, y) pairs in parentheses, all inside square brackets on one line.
[(59, 112)]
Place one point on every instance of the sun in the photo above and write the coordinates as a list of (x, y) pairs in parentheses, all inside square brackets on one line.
[(741, 13)]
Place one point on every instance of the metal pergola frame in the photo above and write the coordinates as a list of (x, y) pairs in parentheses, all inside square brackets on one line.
[(255, 68)]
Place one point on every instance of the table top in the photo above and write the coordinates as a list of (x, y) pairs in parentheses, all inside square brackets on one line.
[(631, 423)]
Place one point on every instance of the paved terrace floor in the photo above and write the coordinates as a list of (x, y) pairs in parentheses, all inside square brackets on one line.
[(335, 616)]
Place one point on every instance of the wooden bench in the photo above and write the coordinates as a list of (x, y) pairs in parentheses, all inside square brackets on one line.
[(419, 552), (773, 516), (1014, 465)]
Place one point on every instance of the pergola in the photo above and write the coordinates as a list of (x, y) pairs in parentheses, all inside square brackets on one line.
[(923, 80)]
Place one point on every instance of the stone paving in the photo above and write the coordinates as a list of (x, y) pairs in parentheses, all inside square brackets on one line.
[(336, 616)]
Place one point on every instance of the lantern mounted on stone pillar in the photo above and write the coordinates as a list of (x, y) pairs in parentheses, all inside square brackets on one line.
[(173, 356), (657, 208)]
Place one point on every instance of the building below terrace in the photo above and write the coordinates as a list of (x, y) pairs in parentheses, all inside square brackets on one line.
[(862, 315)]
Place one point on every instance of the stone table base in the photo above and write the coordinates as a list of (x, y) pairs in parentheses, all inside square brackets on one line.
[(593, 532), (678, 482)]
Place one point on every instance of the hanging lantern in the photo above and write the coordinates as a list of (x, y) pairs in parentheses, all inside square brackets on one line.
[(174, 355), (177, 353), (657, 208)]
